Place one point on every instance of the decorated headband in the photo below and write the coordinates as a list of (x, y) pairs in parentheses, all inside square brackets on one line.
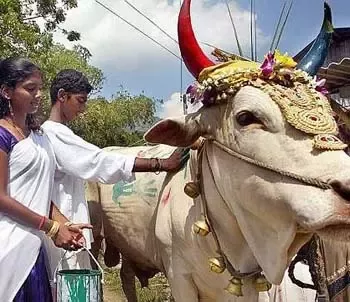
[(290, 85)]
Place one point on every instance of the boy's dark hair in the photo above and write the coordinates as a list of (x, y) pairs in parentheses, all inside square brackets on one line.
[(72, 81)]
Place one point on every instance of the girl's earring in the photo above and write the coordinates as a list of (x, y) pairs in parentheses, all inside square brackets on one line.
[(3, 94), (10, 109), (6, 97)]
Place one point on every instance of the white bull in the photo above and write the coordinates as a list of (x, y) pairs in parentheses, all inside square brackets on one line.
[(115, 209), (260, 218)]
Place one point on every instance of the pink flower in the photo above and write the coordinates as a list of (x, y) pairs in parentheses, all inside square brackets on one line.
[(321, 86), (322, 90), (268, 65), (194, 93)]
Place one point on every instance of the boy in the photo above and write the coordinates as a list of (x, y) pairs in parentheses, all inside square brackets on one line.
[(78, 160)]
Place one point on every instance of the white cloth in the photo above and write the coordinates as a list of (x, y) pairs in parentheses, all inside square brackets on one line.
[(78, 160), (31, 173)]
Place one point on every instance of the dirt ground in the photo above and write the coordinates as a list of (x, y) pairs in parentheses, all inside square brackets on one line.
[(110, 295)]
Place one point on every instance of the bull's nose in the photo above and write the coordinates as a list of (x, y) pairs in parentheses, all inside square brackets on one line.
[(342, 188)]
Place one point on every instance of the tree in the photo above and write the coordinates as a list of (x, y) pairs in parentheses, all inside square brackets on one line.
[(118, 122), (58, 58), (18, 37), (53, 12), (20, 32)]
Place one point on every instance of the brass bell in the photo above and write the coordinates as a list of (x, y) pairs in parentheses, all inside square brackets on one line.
[(261, 284), (201, 228), (192, 189), (235, 287), (217, 265)]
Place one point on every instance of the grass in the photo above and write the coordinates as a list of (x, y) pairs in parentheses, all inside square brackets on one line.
[(158, 290)]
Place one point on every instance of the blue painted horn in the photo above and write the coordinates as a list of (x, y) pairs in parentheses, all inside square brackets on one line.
[(315, 57)]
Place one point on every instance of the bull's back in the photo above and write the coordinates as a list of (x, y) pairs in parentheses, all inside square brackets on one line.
[(129, 208)]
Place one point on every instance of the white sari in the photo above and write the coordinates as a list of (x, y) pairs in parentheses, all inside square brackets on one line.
[(31, 173)]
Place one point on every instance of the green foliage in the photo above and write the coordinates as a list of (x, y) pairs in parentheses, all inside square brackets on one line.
[(19, 37), (58, 58), (119, 122), (53, 12), (20, 33)]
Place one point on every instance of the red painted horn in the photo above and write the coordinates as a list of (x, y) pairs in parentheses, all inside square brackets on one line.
[(193, 56)]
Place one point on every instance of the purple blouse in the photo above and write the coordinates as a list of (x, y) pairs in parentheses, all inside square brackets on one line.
[(7, 140)]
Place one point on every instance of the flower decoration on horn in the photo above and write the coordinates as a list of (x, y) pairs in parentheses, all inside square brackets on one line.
[(277, 66)]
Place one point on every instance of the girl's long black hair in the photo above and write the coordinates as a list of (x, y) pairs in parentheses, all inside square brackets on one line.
[(15, 70)]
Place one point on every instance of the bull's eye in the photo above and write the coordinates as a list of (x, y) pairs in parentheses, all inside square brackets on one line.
[(245, 118)]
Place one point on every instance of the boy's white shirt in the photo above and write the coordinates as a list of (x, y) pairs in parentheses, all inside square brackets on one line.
[(77, 161)]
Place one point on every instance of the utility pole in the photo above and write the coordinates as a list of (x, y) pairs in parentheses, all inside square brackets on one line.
[(184, 103)]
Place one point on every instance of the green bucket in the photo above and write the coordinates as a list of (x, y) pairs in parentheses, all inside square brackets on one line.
[(80, 285)]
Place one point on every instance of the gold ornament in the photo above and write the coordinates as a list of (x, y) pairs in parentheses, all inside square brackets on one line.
[(192, 189), (235, 287), (201, 228), (217, 264), (304, 108), (293, 90), (261, 284), (328, 142)]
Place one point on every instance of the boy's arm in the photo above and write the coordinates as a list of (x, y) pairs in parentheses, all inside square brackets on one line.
[(81, 159)]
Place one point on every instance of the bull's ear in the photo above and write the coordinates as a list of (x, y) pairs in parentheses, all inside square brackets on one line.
[(181, 132)]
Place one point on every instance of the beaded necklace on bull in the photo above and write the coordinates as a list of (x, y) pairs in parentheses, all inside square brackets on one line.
[(290, 85)]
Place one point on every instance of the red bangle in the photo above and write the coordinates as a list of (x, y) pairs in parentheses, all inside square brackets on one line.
[(42, 221)]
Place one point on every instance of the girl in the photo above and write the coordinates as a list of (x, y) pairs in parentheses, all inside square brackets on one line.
[(27, 166)]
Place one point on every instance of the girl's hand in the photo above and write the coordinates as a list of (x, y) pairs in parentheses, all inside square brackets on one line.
[(71, 237), (78, 227)]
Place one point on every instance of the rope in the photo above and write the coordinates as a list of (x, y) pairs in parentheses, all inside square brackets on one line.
[(234, 272), (307, 180)]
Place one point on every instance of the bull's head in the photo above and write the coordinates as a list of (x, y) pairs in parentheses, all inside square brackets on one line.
[(275, 117)]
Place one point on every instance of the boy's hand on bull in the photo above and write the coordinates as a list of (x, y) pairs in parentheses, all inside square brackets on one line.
[(176, 161), (172, 164)]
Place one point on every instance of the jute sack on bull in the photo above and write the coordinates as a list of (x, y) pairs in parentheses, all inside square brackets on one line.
[(129, 207)]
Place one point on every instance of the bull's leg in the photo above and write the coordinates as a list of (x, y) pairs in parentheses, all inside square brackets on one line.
[(127, 275), (112, 254)]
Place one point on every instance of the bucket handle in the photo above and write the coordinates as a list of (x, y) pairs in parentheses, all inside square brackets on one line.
[(93, 258)]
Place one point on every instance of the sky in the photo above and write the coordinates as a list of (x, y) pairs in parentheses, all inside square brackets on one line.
[(129, 59)]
